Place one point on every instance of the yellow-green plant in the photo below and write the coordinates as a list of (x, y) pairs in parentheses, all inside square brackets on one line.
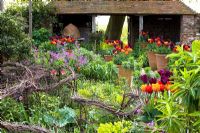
[(116, 127)]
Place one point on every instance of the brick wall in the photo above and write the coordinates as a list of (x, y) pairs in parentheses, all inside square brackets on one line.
[(197, 25), (188, 28)]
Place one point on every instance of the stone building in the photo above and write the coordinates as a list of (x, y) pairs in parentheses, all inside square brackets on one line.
[(171, 19)]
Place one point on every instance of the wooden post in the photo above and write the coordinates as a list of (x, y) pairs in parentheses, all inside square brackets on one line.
[(93, 23), (141, 24), (30, 19), (1, 5)]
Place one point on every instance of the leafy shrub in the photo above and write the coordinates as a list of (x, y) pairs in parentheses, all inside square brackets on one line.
[(100, 70), (14, 42), (60, 117), (43, 13), (129, 64), (104, 91), (119, 58), (40, 36), (90, 55), (117, 127), (11, 110)]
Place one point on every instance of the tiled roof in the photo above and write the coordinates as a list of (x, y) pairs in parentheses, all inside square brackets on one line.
[(122, 7)]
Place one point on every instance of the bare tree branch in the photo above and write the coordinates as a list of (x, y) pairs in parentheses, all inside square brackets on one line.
[(31, 83), (106, 107), (16, 127)]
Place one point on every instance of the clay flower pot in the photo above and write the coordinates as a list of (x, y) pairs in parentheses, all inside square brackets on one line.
[(162, 61), (152, 60), (108, 58), (126, 73), (69, 51)]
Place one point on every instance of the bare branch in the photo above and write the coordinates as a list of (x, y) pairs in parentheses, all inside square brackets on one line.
[(31, 82), (16, 127), (106, 107)]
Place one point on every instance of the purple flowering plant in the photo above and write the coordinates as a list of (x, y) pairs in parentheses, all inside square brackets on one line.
[(165, 75), (63, 58), (150, 77)]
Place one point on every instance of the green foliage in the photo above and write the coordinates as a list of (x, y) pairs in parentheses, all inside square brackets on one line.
[(60, 117), (129, 64), (97, 68), (11, 110), (150, 112), (163, 50), (40, 36), (47, 46), (180, 110), (14, 42), (100, 70), (90, 55), (119, 58), (117, 127), (43, 13), (186, 65), (41, 104), (103, 91), (151, 47), (106, 49), (172, 118), (139, 63)]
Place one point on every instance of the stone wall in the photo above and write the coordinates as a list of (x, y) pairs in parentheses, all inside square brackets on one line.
[(197, 25), (188, 28)]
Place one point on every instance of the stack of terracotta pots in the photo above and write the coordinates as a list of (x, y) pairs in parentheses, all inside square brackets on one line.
[(157, 61)]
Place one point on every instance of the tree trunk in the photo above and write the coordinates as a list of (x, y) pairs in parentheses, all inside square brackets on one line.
[(114, 28), (30, 19), (1, 5)]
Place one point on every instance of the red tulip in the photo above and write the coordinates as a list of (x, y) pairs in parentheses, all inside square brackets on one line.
[(149, 89), (150, 40), (159, 43)]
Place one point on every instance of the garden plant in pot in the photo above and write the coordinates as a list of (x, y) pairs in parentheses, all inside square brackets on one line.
[(143, 39), (128, 67), (161, 52), (151, 46), (109, 47), (120, 58)]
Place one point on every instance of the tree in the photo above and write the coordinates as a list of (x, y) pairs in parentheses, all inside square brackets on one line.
[(114, 28), (30, 19), (1, 5)]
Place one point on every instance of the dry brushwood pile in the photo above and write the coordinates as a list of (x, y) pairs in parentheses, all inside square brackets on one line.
[(18, 80)]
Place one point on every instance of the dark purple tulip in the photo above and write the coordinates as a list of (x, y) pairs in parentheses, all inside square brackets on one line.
[(161, 72), (152, 80), (144, 78), (168, 73), (164, 79)]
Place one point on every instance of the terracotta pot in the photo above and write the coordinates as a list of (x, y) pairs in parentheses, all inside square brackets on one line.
[(69, 50), (162, 61), (108, 58), (152, 60), (126, 73)]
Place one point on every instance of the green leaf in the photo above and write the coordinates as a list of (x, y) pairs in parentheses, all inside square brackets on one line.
[(196, 46)]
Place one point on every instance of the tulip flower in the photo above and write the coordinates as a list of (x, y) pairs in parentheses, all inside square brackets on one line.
[(149, 89)]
